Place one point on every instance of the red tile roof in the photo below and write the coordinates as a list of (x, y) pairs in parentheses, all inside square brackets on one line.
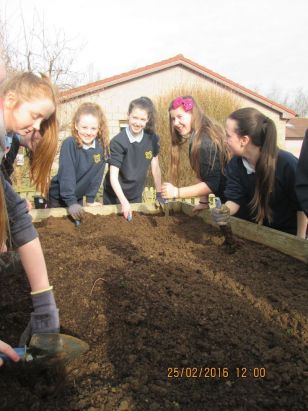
[(296, 128), (176, 60)]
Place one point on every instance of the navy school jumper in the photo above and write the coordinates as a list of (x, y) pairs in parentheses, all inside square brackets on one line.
[(240, 188), (80, 174)]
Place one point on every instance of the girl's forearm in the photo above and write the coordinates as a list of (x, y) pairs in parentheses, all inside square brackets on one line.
[(196, 190), (301, 224), (33, 261), (117, 189), (233, 207)]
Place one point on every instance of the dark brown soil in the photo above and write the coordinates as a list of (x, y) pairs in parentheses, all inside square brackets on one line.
[(173, 321)]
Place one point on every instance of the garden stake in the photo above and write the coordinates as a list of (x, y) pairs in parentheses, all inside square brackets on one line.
[(226, 228)]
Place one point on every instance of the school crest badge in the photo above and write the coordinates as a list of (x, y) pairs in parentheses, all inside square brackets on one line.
[(96, 158), (148, 155)]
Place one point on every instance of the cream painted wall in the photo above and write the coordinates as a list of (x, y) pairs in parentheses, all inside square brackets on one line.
[(115, 99)]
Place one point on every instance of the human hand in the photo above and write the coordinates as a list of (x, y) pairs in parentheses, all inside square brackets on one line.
[(76, 211), (3, 248), (127, 211), (160, 200), (199, 207), (44, 318), (95, 204), (221, 216), (168, 190), (8, 351)]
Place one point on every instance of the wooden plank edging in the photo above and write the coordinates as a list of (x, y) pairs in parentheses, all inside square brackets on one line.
[(280, 241), (41, 214)]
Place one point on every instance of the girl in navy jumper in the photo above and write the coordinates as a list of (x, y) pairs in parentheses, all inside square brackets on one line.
[(82, 161), (28, 103), (260, 177), (207, 151), (132, 151)]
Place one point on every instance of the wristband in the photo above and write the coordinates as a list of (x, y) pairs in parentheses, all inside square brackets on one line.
[(42, 290)]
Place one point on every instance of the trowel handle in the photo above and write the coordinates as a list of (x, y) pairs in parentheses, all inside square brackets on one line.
[(218, 202), (214, 202), (21, 351)]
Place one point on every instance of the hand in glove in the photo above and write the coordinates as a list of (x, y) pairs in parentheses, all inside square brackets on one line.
[(44, 318), (76, 211), (221, 216), (160, 200)]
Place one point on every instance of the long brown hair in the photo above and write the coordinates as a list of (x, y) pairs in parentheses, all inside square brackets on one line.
[(263, 134), (201, 126), (103, 132), (28, 87)]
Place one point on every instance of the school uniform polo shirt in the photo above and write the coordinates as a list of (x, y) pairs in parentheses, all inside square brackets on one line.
[(132, 157)]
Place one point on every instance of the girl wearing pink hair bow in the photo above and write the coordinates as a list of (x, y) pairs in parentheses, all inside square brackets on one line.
[(207, 152)]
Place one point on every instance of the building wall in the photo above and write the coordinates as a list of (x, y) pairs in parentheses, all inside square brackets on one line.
[(115, 99), (294, 145)]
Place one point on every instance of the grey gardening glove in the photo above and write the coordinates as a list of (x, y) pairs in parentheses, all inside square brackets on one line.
[(76, 211), (221, 216), (44, 318), (161, 201)]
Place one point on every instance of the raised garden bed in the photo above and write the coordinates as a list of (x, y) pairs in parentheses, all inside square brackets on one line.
[(172, 320)]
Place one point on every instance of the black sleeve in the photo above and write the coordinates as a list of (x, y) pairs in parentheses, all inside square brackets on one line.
[(156, 145), (234, 190), (67, 172), (289, 175), (210, 171), (301, 186), (117, 153), (20, 222)]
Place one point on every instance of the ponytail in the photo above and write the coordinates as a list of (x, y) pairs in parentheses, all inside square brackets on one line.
[(262, 132)]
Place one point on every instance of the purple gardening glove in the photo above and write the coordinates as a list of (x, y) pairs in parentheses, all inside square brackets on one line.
[(44, 318), (221, 216), (76, 211)]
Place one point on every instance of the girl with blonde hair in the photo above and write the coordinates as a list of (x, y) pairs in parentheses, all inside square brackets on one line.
[(82, 161), (27, 104)]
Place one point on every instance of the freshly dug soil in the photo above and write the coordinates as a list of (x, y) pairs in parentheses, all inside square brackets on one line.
[(174, 322)]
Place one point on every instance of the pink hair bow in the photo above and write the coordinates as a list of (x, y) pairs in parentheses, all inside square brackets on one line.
[(187, 103)]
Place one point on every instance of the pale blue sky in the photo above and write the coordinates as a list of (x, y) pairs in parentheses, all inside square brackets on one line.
[(257, 44)]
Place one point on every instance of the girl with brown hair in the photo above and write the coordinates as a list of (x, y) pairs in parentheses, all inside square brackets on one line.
[(82, 161), (207, 152), (260, 177), (133, 150), (27, 103)]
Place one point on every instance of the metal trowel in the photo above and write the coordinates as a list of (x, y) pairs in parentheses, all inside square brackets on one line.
[(49, 348)]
